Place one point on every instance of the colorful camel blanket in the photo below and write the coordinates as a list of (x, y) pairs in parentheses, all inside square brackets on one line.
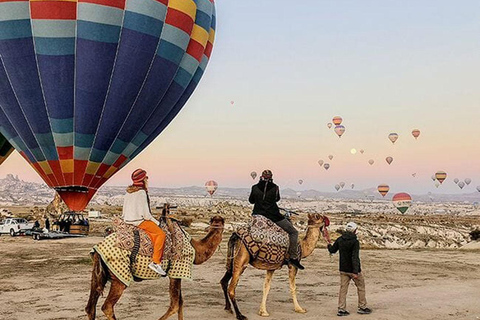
[(265, 240), (118, 261)]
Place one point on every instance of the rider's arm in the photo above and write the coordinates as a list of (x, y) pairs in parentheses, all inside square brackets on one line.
[(251, 199)]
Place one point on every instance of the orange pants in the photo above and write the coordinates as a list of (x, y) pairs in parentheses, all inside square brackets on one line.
[(158, 239)]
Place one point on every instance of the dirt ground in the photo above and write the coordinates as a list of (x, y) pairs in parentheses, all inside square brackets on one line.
[(50, 280)]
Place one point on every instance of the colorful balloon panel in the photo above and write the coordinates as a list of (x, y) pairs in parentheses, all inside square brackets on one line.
[(85, 86), (5, 149)]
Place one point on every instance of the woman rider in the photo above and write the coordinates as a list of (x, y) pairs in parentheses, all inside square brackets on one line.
[(265, 195), (136, 211)]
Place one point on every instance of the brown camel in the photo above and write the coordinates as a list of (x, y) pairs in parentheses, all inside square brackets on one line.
[(239, 258), (204, 249)]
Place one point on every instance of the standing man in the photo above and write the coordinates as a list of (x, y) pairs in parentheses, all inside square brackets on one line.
[(265, 195), (47, 223), (350, 269)]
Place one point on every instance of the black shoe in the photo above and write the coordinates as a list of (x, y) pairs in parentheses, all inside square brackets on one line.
[(342, 313), (296, 264), (364, 310)]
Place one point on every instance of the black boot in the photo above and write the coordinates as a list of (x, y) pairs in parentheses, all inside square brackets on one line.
[(296, 264)]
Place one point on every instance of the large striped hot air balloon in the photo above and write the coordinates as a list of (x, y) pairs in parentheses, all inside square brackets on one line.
[(211, 186), (337, 120), (383, 189), (86, 85), (5, 149), (441, 176), (402, 201)]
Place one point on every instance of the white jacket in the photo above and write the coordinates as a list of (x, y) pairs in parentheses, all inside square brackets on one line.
[(135, 208)]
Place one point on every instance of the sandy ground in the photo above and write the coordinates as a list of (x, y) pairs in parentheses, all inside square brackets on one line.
[(50, 280)]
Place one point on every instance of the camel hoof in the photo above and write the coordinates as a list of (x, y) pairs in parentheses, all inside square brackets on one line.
[(301, 310), (263, 313), (229, 310), (242, 317)]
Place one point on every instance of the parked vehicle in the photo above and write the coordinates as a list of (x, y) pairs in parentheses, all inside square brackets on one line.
[(15, 226)]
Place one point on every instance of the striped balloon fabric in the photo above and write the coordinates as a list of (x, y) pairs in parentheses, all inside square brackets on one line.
[(402, 201), (5, 149), (86, 85)]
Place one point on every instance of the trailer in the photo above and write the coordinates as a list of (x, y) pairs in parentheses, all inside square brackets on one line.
[(36, 235)]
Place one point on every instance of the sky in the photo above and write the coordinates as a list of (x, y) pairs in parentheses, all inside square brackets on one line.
[(289, 67)]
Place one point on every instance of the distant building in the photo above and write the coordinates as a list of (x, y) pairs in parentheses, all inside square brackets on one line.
[(94, 214)]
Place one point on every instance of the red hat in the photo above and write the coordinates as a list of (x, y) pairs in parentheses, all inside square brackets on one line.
[(138, 177), (267, 174)]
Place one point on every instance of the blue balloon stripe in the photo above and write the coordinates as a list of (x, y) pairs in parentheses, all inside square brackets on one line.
[(143, 24), (55, 46), (15, 29)]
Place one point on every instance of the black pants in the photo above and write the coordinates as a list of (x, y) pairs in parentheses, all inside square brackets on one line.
[(292, 234)]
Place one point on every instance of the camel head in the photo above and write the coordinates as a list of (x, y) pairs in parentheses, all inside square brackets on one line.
[(217, 222), (316, 219)]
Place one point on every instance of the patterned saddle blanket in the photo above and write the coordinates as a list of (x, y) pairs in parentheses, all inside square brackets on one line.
[(265, 240)]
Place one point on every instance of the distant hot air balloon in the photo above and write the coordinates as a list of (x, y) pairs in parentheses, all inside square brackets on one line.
[(389, 160), (5, 149), (86, 86), (320, 163), (441, 176), (232, 102), (433, 177), (362, 151), (478, 188), (339, 130), (329, 125), (326, 166), (468, 181), (211, 186), (393, 137), (253, 174), (337, 187), (402, 201), (414, 174), (461, 184), (300, 181), (456, 180), (337, 120), (298, 193), (371, 161), (415, 133), (342, 184), (330, 157), (383, 189), (437, 184), (353, 185)]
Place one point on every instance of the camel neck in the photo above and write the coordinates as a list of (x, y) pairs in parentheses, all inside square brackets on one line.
[(309, 242)]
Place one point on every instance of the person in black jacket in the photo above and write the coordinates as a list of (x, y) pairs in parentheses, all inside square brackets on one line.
[(350, 268), (264, 196)]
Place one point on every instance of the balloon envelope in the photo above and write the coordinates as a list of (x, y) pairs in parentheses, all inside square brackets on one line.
[(478, 188), (441, 176), (86, 86), (337, 120), (383, 189), (320, 163), (326, 166), (211, 186), (337, 187), (342, 184), (362, 151), (253, 174), (415, 133), (330, 157), (353, 185), (402, 201), (371, 161), (456, 180), (389, 160), (468, 181), (339, 130), (329, 125), (393, 137), (5, 149), (461, 184), (300, 181)]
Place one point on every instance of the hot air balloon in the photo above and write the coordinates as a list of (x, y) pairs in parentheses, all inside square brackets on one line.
[(440, 176), (353, 185), (337, 120), (414, 174), (329, 125), (383, 189), (232, 102), (253, 174), (339, 130), (415, 133), (437, 184), (330, 157), (320, 163), (468, 181), (86, 86), (433, 177), (389, 160), (337, 187), (478, 188), (402, 201), (362, 151), (342, 184), (211, 187), (298, 193), (371, 161), (300, 181), (456, 180), (393, 137), (326, 166), (461, 184), (5, 149)]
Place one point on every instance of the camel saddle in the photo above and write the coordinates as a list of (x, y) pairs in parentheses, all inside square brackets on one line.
[(265, 240)]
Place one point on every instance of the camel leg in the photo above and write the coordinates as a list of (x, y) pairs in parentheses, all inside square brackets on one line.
[(116, 291), (97, 284), (292, 273), (180, 303), (266, 288), (240, 263), (224, 282), (175, 292)]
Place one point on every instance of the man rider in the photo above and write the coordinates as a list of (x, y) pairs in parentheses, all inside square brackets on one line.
[(265, 195)]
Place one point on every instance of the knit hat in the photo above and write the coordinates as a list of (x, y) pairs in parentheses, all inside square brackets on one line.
[(267, 174), (351, 227), (138, 177)]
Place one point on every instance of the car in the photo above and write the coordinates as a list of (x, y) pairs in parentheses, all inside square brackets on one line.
[(15, 226)]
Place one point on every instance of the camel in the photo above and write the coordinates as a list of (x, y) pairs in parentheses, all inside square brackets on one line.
[(239, 258), (204, 249)]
